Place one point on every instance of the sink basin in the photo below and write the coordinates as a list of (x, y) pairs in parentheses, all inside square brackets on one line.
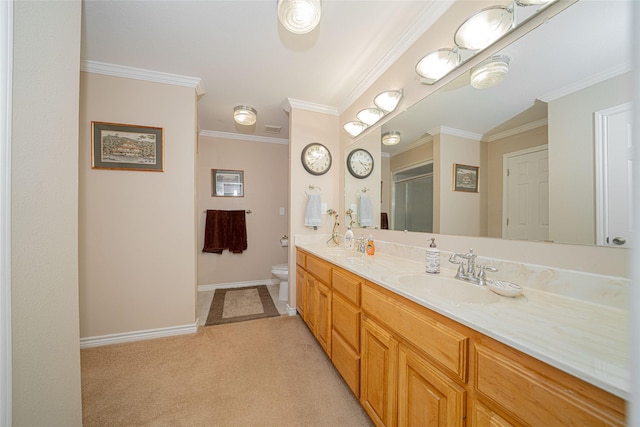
[(340, 252), (450, 289)]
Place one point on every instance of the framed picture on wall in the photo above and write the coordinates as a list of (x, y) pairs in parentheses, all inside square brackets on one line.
[(227, 183), (465, 178), (127, 147)]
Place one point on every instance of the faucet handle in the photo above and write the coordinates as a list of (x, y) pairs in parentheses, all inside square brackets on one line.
[(482, 275)]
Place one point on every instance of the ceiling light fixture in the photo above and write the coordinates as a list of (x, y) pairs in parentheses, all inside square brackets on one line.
[(244, 115), (484, 27), (435, 65), (490, 72), (299, 16), (370, 115), (355, 128), (391, 137), (388, 101)]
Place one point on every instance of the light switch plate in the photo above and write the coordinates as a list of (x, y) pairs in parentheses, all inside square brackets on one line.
[(323, 207), (281, 211)]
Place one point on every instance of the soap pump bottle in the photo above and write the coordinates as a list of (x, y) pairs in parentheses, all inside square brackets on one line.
[(348, 238), (433, 258), (371, 247)]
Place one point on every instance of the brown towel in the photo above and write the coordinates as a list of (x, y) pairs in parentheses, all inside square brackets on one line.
[(384, 221), (225, 230)]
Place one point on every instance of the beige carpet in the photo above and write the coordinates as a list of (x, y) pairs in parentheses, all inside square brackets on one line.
[(267, 372), (240, 304)]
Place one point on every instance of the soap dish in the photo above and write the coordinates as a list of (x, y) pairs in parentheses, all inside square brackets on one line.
[(504, 288)]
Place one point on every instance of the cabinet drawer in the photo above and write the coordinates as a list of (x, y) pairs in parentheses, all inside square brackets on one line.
[(320, 269), (301, 258), (347, 362), (536, 399), (346, 321), (348, 285), (446, 346)]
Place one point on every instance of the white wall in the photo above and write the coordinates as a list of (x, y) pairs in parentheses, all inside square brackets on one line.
[(44, 242)]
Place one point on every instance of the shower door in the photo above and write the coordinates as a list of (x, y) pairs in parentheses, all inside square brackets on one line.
[(413, 201)]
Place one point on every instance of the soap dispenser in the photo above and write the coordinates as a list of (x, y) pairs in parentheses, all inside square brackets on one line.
[(433, 258), (348, 238), (371, 247)]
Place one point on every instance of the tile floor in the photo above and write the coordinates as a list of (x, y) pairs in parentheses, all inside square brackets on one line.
[(205, 298)]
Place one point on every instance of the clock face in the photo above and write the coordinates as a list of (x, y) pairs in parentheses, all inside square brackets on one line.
[(360, 163), (316, 158)]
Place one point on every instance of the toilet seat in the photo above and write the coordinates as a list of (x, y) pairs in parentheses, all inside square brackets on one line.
[(280, 268)]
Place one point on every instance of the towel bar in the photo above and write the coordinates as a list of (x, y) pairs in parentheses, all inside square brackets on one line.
[(248, 211)]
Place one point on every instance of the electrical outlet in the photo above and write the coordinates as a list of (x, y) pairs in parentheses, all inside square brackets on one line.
[(323, 207)]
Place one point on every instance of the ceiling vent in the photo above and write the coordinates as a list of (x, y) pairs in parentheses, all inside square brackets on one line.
[(272, 129)]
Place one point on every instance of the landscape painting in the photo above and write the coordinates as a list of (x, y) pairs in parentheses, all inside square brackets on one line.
[(127, 147)]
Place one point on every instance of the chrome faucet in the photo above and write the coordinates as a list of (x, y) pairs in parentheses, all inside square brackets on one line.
[(468, 272)]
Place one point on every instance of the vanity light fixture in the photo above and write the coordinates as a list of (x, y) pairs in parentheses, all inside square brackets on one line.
[(388, 101), (391, 137), (244, 115), (355, 128), (485, 27), (435, 65), (299, 16), (491, 72), (370, 116)]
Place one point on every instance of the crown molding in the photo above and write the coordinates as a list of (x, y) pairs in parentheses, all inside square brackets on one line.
[(243, 137), (516, 130), (290, 103), (582, 84), (428, 17), (455, 132), (141, 74)]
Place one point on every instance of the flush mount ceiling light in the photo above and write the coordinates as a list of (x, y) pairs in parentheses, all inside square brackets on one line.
[(391, 137), (299, 16), (389, 100), (490, 72), (437, 64), (355, 128), (370, 115), (484, 27), (244, 115)]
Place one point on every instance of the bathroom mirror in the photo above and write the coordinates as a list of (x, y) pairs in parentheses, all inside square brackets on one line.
[(564, 77)]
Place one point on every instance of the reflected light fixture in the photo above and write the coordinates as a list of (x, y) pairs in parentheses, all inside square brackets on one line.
[(244, 115), (388, 101), (370, 116), (435, 65), (490, 72), (391, 137), (484, 27), (299, 16), (355, 128)]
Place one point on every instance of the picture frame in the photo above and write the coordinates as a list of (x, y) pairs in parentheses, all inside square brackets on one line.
[(227, 183), (465, 178), (117, 146)]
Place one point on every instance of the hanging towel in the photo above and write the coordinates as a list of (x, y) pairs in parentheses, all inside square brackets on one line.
[(313, 214), (225, 230), (365, 211)]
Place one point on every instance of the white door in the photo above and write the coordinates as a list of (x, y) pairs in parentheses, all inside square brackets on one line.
[(526, 204), (614, 153)]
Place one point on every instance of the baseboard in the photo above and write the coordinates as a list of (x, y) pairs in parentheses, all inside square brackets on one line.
[(137, 335), (291, 311), (213, 287)]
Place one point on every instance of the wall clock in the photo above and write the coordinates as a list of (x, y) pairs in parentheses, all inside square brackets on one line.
[(360, 163), (316, 158)]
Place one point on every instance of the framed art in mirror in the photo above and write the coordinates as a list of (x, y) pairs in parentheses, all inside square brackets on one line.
[(227, 183), (127, 147), (465, 178)]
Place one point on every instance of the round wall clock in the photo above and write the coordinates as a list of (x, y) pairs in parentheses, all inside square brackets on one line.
[(360, 163), (316, 158)]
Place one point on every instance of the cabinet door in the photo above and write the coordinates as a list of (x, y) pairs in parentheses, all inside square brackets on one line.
[(323, 316), (485, 417), (310, 302), (300, 294), (346, 321), (378, 375), (427, 396)]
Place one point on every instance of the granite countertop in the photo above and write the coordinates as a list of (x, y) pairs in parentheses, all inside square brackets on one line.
[(583, 338)]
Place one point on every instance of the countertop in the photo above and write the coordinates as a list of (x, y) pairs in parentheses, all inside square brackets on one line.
[(585, 339)]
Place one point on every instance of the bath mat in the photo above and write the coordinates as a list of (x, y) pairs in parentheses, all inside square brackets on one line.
[(240, 304)]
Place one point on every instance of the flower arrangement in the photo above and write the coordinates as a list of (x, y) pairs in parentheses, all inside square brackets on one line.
[(349, 213), (336, 224)]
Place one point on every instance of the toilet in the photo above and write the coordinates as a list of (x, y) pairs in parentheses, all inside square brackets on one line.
[(281, 271)]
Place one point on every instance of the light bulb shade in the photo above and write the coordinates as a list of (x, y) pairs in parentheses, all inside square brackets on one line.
[(299, 16), (525, 3), (391, 137), (490, 73), (355, 128), (244, 115), (370, 115), (484, 27), (388, 101), (437, 64)]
